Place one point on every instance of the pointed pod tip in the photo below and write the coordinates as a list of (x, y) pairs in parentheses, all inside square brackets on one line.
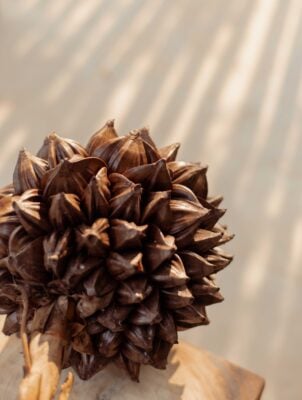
[(137, 187), (145, 129), (134, 133), (110, 123), (23, 153), (52, 136)]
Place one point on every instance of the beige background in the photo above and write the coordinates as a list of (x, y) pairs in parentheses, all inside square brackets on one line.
[(222, 77)]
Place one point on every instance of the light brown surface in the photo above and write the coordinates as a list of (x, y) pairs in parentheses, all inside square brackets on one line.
[(224, 78), (192, 374)]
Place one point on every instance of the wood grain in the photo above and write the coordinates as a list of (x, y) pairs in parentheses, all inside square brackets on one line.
[(192, 374)]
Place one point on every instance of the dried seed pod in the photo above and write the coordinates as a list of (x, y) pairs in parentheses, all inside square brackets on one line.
[(133, 290), (171, 274), (126, 198), (160, 249), (122, 266), (109, 343), (191, 175), (148, 312), (125, 152), (28, 172), (158, 210), (55, 149), (141, 336), (70, 176), (94, 238), (114, 316), (115, 245), (169, 153), (126, 235), (32, 212), (96, 196), (57, 248), (26, 257), (153, 176), (88, 305), (65, 210), (106, 133)]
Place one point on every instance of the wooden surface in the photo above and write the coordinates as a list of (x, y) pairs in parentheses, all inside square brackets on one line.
[(192, 374)]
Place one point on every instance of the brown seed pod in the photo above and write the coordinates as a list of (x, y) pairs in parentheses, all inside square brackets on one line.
[(115, 246)]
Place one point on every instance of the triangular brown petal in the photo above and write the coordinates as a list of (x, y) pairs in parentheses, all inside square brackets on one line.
[(204, 240), (56, 149), (96, 195), (124, 265), (206, 291), (160, 354), (102, 136), (93, 326), (133, 290), (28, 172), (94, 238), (171, 274), (177, 297), (196, 266), (167, 329), (82, 342), (71, 176), (190, 316), (185, 214), (148, 312), (152, 177), (26, 256), (181, 192), (126, 198), (225, 235), (141, 336), (126, 235), (129, 366), (215, 201), (114, 316), (109, 343), (169, 153), (99, 282), (87, 365), (214, 215), (160, 249), (219, 258), (65, 210), (145, 135), (32, 212), (157, 210), (186, 218), (192, 175), (78, 268), (57, 248), (135, 354), (126, 152), (88, 305)]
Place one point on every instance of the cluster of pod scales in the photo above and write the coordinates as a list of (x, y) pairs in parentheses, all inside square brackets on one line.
[(115, 247)]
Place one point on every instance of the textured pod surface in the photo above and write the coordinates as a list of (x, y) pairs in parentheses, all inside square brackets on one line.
[(124, 233)]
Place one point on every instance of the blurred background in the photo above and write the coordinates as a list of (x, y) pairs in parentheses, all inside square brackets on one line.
[(221, 77)]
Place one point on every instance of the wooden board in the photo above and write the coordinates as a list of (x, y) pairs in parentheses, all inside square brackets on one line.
[(192, 374)]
